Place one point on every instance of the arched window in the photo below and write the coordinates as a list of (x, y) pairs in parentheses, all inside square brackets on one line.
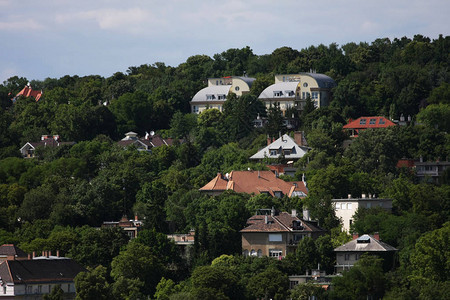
[(259, 253), (253, 253), (245, 253)]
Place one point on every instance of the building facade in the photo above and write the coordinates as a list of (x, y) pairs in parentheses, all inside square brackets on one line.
[(290, 91), (215, 94), (346, 208)]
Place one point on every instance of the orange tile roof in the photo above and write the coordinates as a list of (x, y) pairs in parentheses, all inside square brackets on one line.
[(254, 182), (27, 91), (369, 122), (282, 222)]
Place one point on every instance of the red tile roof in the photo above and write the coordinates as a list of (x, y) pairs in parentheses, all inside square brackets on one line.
[(369, 122), (27, 91), (255, 182)]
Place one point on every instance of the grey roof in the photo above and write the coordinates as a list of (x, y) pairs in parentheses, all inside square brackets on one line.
[(283, 87), (211, 90), (248, 80), (365, 243), (323, 81), (285, 142)]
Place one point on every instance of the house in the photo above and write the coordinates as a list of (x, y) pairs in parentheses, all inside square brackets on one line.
[(254, 182), (292, 90), (27, 91), (32, 278), (354, 127), (131, 227), (317, 277), (11, 252), (273, 234), (291, 149), (431, 171), (28, 150), (144, 144), (346, 208), (184, 241), (215, 94), (348, 254)]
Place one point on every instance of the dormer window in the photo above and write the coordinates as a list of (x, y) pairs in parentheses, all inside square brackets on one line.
[(372, 121), (362, 122), (381, 122), (210, 97), (221, 97), (277, 93), (290, 93)]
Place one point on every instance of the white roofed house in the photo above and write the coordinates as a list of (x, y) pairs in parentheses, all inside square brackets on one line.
[(290, 148), (292, 90), (215, 94)]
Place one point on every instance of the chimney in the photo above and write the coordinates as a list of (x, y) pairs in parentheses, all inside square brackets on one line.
[(57, 253), (376, 236), (306, 216), (266, 219), (49, 253), (363, 196), (272, 212), (298, 138), (136, 217), (355, 236), (269, 141), (34, 254), (29, 256), (294, 213), (349, 196), (43, 253)]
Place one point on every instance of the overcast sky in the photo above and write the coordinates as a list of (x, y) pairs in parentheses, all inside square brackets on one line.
[(53, 38)]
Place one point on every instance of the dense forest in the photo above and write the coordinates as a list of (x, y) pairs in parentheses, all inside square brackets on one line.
[(58, 200)]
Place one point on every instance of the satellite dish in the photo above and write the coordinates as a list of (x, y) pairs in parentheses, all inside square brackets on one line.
[(152, 133)]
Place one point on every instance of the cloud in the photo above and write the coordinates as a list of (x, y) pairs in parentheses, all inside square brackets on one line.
[(21, 25)]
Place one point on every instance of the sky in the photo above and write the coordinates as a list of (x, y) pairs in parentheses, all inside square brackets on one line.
[(54, 38)]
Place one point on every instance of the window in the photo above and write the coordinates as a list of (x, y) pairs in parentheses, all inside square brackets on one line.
[(4, 290), (275, 253), (236, 88), (221, 97), (362, 122), (347, 257), (259, 253), (290, 93), (277, 93), (303, 95), (349, 206), (308, 95), (305, 84), (245, 253), (369, 205), (40, 289), (273, 152), (287, 151), (253, 253), (217, 82), (372, 121), (381, 122), (275, 237), (278, 194), (210, 97), (338, 206), (194, 109), (315, 95), (284, 78), (350, 222), (29, 289)]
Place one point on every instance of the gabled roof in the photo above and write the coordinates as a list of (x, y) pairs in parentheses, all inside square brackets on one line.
[(283, 222), (369, 122), (285, 142), (50, 142), (40, 270), (27, 91), (365, 243), (256, 182), (214, 90), (11, 250)]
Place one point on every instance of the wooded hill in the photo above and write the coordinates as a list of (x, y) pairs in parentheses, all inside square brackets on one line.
[(55, 201)]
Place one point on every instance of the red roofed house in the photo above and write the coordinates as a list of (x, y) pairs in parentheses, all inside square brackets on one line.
[(276, 234), (27, 91), (363, 123), (144, 144), (255, 182)]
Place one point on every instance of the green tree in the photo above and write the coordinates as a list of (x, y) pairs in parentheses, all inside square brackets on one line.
[(306, 291), (56, 294), (215, 283), (92, 284), (269, 284)]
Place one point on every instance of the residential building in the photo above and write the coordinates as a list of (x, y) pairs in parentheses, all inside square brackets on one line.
[(27, 91), (431, 171), (273, 234), (28, 150), (215, 94), (348, 254), (144, 144), (131, 227), (317, 277), (290, 149), (346, 208), (11, 252), (292, 90), (33, 278), (184, 241), (254, 182), (354, 127)]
